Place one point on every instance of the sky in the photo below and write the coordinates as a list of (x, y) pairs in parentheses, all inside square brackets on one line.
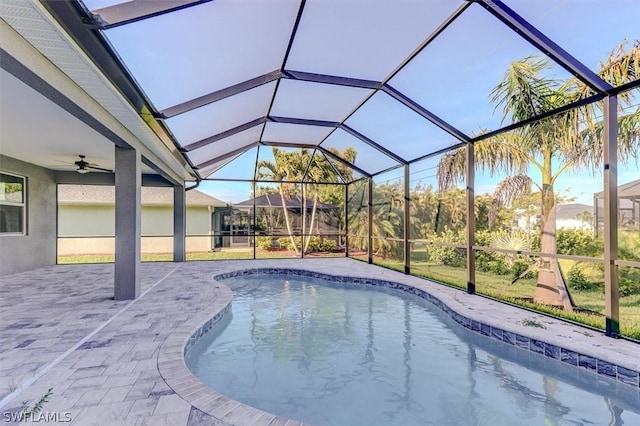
[(205, 50)]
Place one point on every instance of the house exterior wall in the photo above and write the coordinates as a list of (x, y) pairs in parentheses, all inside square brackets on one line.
[(37, 247), (198, 220), (86, 221), (573, 224), (96, 225)]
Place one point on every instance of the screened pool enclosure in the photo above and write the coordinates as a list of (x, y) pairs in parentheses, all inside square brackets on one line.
[(462, 141)]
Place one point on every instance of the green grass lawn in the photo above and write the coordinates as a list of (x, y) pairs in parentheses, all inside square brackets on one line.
[(500, 287), (162, 257), (224, 254)]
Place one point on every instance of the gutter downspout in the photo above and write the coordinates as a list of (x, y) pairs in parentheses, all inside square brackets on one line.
[(194, 186)]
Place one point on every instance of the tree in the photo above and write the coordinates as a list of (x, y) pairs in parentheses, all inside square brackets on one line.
[(387, 218), (568, 140), (287, 168), (321, 171)]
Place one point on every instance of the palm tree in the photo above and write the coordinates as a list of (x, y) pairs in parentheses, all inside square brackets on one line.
[(318, 171), (387, 219), (287, 168), (566, 141)]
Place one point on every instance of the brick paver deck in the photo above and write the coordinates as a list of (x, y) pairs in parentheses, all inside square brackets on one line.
[(120, 362)]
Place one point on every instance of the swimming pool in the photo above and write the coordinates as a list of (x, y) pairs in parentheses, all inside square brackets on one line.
[(340, 354)]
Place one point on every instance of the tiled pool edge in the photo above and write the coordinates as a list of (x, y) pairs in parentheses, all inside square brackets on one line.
[(172, 367), (176, 374), (620, 373)]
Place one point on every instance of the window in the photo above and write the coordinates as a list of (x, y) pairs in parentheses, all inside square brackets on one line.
[(12, 204)]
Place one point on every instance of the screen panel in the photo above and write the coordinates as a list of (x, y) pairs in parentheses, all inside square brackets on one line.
[(224, 146), (357, 219), (205, 172), (223, 115), (348, 174), (397, 128), (438, 213), (295, 133), (576, 35), (322, 171), (316, 101), (628, 205), (461, 94), (365, 157), (282, 164), (360, 38), (204, 57), (240, 167)]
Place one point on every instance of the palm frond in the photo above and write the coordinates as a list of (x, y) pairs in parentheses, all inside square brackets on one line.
[(507, 191), (507, 153), (524, 92), (451, 168), (511, 241), (621, 66), (589, 154)]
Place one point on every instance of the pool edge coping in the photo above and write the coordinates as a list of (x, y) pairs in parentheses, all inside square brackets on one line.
[(174, 371)]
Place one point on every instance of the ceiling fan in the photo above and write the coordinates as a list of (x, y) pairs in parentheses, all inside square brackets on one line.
[(86, 167)]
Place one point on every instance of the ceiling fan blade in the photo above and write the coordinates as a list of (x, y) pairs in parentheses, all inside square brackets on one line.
[(98, 168)]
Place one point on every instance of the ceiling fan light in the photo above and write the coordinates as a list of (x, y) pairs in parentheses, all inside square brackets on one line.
[(82, 170)]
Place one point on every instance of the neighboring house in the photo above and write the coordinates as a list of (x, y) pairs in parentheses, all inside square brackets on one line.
[(568, 216), (86, 219), (270, 217), (574, 216), (628, 207)]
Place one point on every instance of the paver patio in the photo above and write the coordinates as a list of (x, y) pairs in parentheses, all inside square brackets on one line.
[(61, 329)]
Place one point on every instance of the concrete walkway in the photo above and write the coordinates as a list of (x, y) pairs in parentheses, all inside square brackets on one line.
[(61, 329)]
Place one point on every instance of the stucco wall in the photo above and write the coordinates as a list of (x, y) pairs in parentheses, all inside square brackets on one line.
[(75, 220), (38, 247), (93, 221), (157, 220), (198, 221)]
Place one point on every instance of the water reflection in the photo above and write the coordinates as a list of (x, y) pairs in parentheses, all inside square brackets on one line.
[(306, 351)]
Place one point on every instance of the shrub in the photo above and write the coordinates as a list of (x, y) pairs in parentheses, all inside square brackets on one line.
[(578, 242), (629, 246), (315, 243), (285, 243), (577, 280), (495, 263), (329, 245), (498, 266), (443, 255), (629, 282), (519, 267), (264, 243)]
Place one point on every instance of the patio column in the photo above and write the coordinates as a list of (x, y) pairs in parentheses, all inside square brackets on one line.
[(471, 221), (179, 223), (128, 181), (303, 210), (370, 222), (407, 220), (346, 220), (255, 218), (611, 290)]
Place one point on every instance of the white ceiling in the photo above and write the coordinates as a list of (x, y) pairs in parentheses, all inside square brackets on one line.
[(36, 130)]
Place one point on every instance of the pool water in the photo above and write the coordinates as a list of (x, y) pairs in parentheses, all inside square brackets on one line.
[(332, 354)]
